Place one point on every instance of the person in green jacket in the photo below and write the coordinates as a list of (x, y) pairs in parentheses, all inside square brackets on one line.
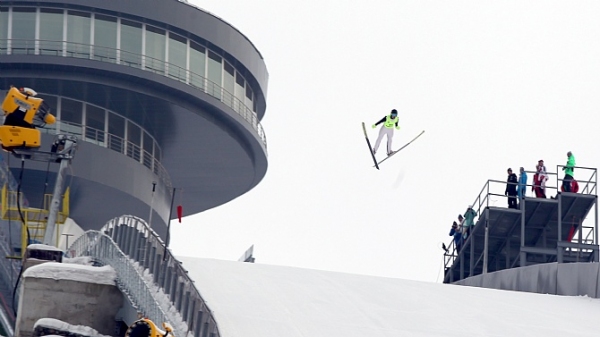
[(568, 179), (387, 129), (468, 222)]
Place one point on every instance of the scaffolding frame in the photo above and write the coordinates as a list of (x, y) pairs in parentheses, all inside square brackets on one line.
[(540, 231)]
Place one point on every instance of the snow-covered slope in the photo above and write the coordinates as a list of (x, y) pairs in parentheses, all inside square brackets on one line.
[(254, 300)]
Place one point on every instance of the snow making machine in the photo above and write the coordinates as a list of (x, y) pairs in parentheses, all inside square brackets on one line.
[(24, 113), (144, 327)]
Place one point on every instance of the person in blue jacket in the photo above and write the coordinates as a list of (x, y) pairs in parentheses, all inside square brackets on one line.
[(458, 237), (522, 187)]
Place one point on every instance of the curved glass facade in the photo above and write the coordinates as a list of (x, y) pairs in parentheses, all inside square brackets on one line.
[(106, 128), (74, 33)]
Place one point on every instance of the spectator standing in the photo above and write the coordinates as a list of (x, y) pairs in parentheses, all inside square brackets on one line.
[(568, 179), (539, 180), (468, 222), (457, 234), (511, 189), (522, 187)]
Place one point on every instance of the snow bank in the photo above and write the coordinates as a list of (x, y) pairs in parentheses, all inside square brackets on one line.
[(55, 324), (39, 246), (73, 272), (256, 300), (83, 260)]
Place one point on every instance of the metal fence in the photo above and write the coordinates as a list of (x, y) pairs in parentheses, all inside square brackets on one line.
[(142, 263)]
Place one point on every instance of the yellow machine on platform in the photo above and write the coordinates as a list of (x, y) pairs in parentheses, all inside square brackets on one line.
[(146, 328), (23, 113)]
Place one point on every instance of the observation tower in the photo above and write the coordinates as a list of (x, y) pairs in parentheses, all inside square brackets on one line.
[(159, 93)]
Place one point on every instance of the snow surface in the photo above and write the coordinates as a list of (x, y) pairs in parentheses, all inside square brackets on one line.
[(73, 272), (254, 300), (63, 326), (39, 246), (84, 260)]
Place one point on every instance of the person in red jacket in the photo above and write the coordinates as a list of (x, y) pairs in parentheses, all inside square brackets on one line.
[(539, 180)]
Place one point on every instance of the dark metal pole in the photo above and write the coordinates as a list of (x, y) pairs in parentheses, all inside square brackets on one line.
[(169, 225), (151, 204)]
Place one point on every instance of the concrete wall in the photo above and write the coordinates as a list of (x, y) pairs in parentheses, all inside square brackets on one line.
[(76, 302), (567, 279)]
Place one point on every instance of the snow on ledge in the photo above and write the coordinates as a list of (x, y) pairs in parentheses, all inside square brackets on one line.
[(63, 326), (84, 260), (73, 272), (39, 246)]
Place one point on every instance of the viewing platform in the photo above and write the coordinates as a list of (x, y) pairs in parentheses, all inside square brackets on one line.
[(562, 228)]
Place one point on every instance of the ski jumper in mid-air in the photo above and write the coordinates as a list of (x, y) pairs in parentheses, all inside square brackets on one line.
[(389, 122)]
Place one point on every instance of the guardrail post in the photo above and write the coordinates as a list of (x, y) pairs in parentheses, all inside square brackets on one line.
[(117, 233), (147, 254), (523, 254), (559, 257), (165, 275), (136, 245), (158, 266), (179, 297), (198, 322), (185, 307), (471, 254), (173, 284), (485, 248)]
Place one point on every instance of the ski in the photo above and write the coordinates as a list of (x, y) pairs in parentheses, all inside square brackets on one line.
[(394, 152), (369, 143)]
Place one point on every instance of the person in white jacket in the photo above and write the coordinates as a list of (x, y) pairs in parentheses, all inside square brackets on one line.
[(539, 180)]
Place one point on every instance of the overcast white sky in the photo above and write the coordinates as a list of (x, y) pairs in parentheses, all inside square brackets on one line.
[(494, 85)]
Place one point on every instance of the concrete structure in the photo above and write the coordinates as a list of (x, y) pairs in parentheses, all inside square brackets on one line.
[(80, 295), (564, 279), (156, 91)]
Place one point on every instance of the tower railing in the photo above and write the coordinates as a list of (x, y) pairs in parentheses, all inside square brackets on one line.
[(134, 60), (115, 143)]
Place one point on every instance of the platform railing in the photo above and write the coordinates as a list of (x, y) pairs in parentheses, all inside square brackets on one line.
[(493, 191), (586, 177)]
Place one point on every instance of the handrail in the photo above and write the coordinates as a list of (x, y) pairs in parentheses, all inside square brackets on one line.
[(104, 250), (166, 69), (165, 270), (591, 184), (155, 164)]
